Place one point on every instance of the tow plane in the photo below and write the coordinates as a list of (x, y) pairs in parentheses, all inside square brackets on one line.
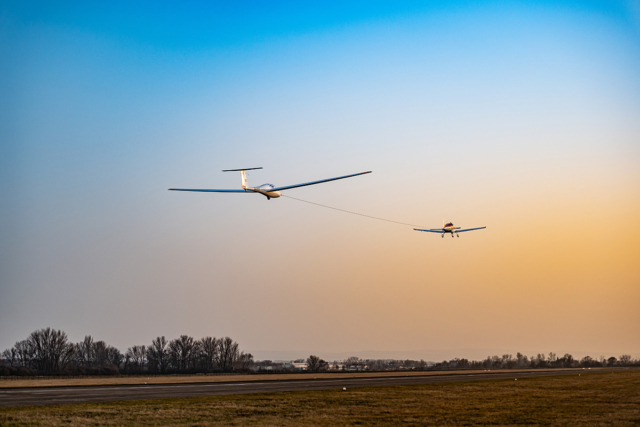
[(270, 191), (448, 228)]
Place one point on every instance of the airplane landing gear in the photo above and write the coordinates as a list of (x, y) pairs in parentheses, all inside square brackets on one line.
[(457, 235), (443, 235)]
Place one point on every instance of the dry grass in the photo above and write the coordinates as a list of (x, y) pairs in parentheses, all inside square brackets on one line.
[(591, 399), (182, 379)]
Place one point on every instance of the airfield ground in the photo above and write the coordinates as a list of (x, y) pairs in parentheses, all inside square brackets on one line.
[(223, 378), (611, 398)]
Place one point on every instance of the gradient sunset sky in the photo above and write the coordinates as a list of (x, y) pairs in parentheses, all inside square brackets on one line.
[(520, 116)]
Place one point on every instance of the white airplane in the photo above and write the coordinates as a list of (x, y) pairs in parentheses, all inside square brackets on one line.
[(268, 190), (448, 228)]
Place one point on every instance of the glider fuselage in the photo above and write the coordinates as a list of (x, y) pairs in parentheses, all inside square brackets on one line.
[(265, 190)]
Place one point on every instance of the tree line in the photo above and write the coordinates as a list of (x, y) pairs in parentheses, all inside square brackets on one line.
[(506, 361), (49, 352), (520, 361)]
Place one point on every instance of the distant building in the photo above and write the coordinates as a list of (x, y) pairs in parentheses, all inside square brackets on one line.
[(299, 365)]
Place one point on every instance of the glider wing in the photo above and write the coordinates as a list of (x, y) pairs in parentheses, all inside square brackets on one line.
[(209, 191), (317, 182)]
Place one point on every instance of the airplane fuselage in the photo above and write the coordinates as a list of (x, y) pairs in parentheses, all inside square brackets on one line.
[(450, 228)]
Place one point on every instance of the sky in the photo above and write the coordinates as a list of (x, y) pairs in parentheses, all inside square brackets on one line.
[(522, 116)]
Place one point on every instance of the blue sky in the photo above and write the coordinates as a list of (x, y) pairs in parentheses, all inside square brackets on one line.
[(515, 115)]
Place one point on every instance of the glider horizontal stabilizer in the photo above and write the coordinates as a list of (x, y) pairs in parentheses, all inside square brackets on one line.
[(240, 170)]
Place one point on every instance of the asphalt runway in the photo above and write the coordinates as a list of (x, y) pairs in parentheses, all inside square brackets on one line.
[(38, 396)]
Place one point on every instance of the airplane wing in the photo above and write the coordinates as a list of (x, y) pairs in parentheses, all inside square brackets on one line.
[(210, 191), (430, 231), (316, 182), (469, 229)]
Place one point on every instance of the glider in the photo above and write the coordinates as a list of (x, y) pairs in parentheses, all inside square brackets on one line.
[(268, 190), (448, 228)]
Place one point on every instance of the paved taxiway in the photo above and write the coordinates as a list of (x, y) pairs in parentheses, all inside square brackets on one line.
[(59, 395)]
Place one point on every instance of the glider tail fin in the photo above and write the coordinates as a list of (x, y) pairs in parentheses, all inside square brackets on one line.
[(243, 175)]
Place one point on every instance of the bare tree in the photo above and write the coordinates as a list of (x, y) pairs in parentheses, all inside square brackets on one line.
[(508, 361), (25, 353), (495, 361), (540, 360), (10, 356), (567, 360), (587, 361), (315, 364), (625, 360), (196, 355), (158, 355), (376, 365), (114, 356), (209, 349), (51, 350), (83, 352), (228, 353), (245, 360), (521, 360), (181, 352), (136, 357), (100, 353), (97, 354), (353, 361)]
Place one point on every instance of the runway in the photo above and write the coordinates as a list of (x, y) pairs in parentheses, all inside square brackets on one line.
[(63, 395)]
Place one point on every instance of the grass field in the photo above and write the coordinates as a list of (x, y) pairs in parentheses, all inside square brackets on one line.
[(183, 379), (589, 399)]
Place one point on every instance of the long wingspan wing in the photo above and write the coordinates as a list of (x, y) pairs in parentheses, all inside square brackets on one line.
[(317, 182), (469, 229), (430, 231), (210, 191)]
